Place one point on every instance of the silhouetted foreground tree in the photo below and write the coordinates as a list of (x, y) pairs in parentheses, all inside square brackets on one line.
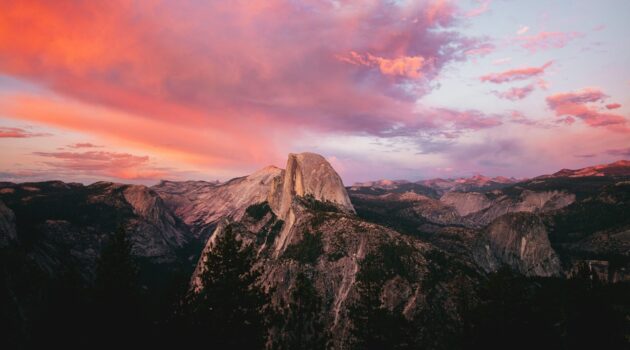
[(229, 312), (117, 308)]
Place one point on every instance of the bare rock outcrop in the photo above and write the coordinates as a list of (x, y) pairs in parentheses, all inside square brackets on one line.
[(308, 174), (520, 241), (466, 202)]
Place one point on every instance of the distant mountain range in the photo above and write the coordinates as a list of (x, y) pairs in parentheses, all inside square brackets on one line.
[(618, 168), (452, 232), (441, 185), (480, 182)]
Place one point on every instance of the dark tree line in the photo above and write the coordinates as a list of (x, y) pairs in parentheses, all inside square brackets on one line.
[(229, 312)]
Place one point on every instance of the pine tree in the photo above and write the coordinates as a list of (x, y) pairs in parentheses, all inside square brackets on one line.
[(117, 273), (116, 292), (230, 309), (303, 327)]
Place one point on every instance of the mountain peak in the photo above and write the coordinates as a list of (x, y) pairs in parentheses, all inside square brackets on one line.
[(309, 174), (618, 168)]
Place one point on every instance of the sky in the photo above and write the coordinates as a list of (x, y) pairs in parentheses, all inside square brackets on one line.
[(138, 91)]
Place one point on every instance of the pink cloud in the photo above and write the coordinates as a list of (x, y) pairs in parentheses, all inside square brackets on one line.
[(516, 74), (566, 120), (546, 40), (406, 66), (439, 12), (84, 145), (262, 80), (623, 152), (613, 106), (468, 120), (519, 118), (516, 93), (579, 104), (583, 96), (484, 5), (18, 133), (109, 164), (482, 50)]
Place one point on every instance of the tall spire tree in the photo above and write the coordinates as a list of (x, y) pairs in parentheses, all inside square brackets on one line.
[(116, 290), (230, 308)]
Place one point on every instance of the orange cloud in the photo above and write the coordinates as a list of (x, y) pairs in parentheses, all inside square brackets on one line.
[(406, 66), (110, 164), (207, 146), (613, 106)]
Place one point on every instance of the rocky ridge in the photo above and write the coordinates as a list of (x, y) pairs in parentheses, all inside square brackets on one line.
[(66, 223), (618, 168)]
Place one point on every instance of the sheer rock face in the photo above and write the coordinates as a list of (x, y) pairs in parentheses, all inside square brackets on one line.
[(466, 202), (7, 225), (308, 174), (520, 241), (157, 231)]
